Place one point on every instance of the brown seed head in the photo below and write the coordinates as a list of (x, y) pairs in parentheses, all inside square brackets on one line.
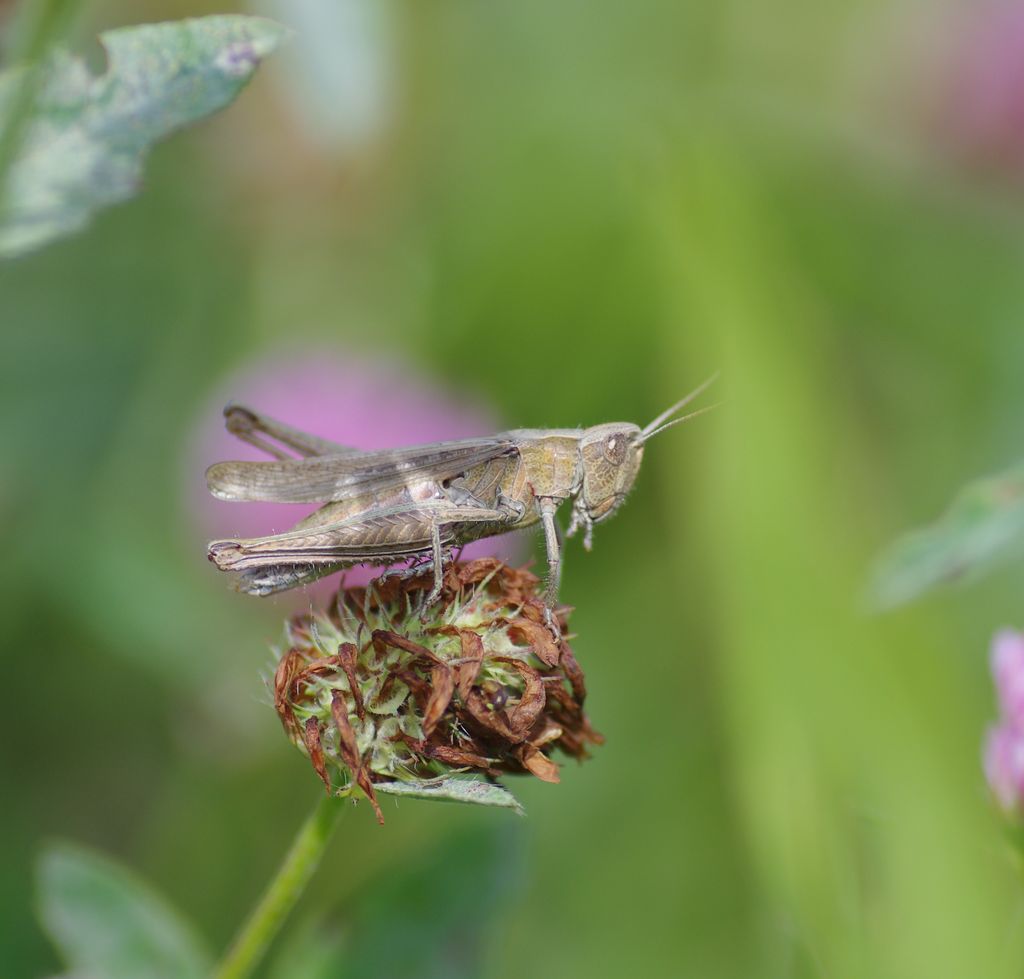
[(384, 694)]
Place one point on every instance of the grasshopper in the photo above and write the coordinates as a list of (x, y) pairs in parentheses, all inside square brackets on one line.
[(418, 503)]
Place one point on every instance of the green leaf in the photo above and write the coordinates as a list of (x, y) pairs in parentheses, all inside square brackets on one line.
[(983, 528), (455, 790), (85, 143), (107, 924)]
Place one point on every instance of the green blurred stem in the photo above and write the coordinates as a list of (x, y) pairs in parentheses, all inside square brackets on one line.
[(252, 942)]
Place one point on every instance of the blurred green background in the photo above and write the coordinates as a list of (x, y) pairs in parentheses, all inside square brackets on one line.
[(572, 212)]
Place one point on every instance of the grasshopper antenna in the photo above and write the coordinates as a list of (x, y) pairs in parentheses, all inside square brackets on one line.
[(657, 425), (678, 421)]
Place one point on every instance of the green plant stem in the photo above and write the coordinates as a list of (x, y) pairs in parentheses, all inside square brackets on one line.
[(251, 943)]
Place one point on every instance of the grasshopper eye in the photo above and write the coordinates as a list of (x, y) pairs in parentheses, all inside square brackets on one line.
[(615, 449)]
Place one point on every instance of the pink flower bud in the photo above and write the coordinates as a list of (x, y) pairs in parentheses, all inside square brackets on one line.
[(1004, 764), (1008, 672)]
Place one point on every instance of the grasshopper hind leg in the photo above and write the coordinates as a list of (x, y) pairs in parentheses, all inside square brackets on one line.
[(553, 548), (254, 428)]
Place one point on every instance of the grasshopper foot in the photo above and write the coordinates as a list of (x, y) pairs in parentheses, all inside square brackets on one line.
[(418, 566), (422, 567), (431, 599), (552, 623)]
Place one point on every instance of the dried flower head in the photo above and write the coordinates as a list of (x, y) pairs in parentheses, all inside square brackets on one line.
[(385, 694)]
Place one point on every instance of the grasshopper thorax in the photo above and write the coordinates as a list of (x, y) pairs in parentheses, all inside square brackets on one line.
[(609, 461)]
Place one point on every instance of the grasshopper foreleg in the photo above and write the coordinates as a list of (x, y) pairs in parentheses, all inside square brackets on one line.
[(581, 519), (437, 557), (552, 544)]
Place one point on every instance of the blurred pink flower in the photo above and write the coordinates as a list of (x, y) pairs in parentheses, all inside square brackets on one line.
[(977, 102), (1004, 764), (1008, 672), (369, 404), (1004, 744)]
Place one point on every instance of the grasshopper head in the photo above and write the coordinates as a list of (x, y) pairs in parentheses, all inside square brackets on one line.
[(610, 456)]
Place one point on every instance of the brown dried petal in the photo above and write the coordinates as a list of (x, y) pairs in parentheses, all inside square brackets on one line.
[(589, 734), (533, 609), (572, 745), (290, 664), (560, 701), (574, 674), (563, 710), (363, 780), (517, 584), (574, 741), (544, 732), (473, 572), (473, 653), (383, 637), (390, 589), (442, 688), (495, 721), (538, 637), (320, 666), (347, 656), (350, 750), (311, 736), (455, 756), (513, 585), (346, 736), (531, 701), (536, 611), (386, 590), (534, 760)]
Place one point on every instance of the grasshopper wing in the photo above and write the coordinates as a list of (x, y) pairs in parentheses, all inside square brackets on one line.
[(328, 478)]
